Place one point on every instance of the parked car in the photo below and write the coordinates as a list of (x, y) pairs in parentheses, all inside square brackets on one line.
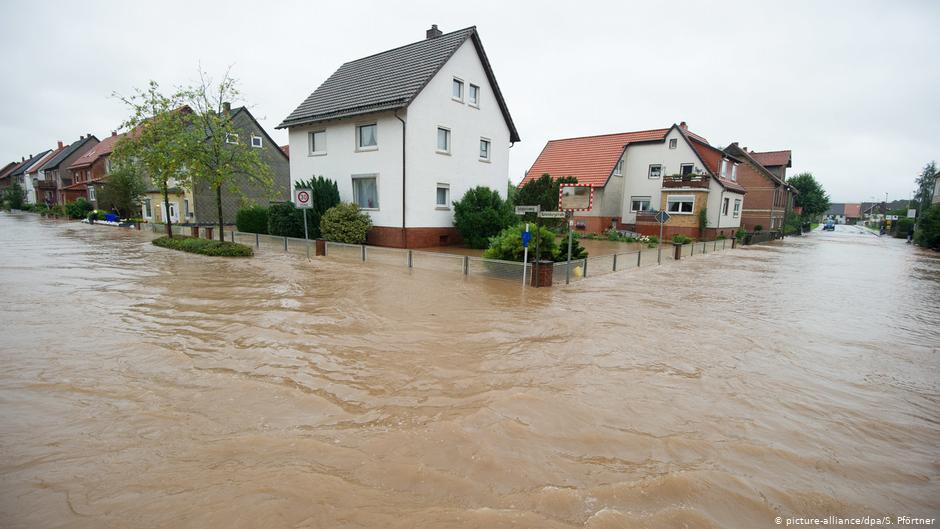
[(829, 226)]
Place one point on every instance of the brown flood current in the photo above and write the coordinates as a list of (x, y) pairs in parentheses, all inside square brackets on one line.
[(147, 388)]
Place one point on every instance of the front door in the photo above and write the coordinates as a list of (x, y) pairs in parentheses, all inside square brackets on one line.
[(174, 212)]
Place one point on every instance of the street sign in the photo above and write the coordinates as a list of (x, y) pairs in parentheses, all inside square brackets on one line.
[(662, 217), (911, 213), (575, 197), (892, 217), (552, 214), (522, 210), (303, 198), (526, 237)]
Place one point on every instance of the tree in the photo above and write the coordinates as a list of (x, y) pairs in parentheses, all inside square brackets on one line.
[(345, 223), (158, 140), (480, 214), (811, 197), (511, 192), (122, 191), (928, 228), (325, 195), (925, 182), (542, 191), (14, 195), (218, 153)]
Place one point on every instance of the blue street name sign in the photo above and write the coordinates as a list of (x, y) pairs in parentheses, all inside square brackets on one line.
[(526, 237)]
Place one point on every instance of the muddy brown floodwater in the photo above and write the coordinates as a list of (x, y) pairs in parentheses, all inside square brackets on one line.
[(145, 388)]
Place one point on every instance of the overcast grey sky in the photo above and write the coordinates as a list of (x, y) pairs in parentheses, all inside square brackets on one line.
[(850, 87)]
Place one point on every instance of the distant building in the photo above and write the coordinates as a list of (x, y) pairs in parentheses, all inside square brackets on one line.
[(769, 197), (90, 170), (842, 213), (55, 171)]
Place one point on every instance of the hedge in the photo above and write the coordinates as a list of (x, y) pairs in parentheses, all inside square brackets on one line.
[(285, 220), (204, 246), (345, 223), (253, 219)]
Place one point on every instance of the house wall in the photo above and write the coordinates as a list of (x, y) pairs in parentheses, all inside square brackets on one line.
[(766, 199), (61, 173), (461, 169), (177, 197), (716, 216), (637, 159), (204, 208)]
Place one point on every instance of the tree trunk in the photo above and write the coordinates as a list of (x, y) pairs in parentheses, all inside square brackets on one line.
[(218, 202), (166, 208)]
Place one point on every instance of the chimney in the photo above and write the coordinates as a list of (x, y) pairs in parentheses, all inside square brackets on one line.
[(60, 144), (22, 159), (113, 133), (433, 33), (683, 126), (226, 108), (82, 137)]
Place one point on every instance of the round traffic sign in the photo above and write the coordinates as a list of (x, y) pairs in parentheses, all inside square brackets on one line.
[(303, 197)]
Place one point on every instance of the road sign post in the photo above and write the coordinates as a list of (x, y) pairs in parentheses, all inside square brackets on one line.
[(303, 199), (568, 268), (661, 218), (526, 237)]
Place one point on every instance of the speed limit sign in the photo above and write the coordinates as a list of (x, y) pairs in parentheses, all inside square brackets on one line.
[(303, 198)]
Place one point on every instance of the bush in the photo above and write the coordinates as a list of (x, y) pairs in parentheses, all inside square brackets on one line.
[(758, 227), (928, 228), (902, 227), (480, 215), (681, 239), (740, 234), (285, 220), (721, 237), (78, 209), (253, 219), (345, 223), (14, 196), (204, 246), (507, 246)]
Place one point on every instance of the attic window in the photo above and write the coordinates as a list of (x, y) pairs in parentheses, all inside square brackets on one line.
[(618, 169), (474, 95), (673, 143), (457, 91), (256, 142), (231, 138), (734, 172)]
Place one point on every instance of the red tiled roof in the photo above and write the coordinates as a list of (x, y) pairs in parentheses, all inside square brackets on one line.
[(286, 150), (853, 211), (590, 159), (103, 148), (772, 158), (45, 159), (711, 157)]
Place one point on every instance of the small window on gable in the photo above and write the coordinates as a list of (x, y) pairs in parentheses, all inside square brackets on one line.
[(443, 140), (318, 142), (724, 168), (231, 138), (656, 170), (734, 172), (685, 169), (618, 169), (474, 95), (673, 143), (484, 149), (457, 90), (256, 141)]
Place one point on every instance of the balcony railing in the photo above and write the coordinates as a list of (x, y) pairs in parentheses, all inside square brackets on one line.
[(692, 180)]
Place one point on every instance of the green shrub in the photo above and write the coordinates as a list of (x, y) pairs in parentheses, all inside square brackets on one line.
[(758, 227), (204, 246), (480, 215), (253, 219), (613, 235), (78, 209), (740, 234), (902, 227), (345, 223), (285, 220), (507, 246), (721, 237), (653, 240), (325, 195), (14, 196), (928, 228), (703, 221), (681, 239)]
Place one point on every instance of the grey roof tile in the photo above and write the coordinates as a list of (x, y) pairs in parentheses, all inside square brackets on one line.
[(66, 152)]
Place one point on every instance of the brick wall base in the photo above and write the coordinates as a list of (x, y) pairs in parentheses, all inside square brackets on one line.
[(413, 237), (670, 231), (594, 224)]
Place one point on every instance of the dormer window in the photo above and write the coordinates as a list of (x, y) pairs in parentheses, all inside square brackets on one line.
[(457, 90), (673, 143), (724, 168), (734, 172)]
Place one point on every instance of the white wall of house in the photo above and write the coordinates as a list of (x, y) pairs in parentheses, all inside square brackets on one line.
[(459, 170), (716, 216), (636, 162), (341, 160)]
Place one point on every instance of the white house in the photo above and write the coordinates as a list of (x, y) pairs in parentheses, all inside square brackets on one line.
[(635, 174), (406, 132)]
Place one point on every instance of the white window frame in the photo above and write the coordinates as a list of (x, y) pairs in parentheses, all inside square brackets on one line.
[(691, 167), (446, 204), (724, 167), (473, 102), (448, 137), (734, 172), (618, 169), (312, 143), (673, 143), (186, 212), (231, 138), (489, 149), (737, 208), (680, 199), (365, 176), (725, 206), (91, 193), (260, 144), (361, 148), (648, 200), (462, 89), (147, 209), (649, 172)]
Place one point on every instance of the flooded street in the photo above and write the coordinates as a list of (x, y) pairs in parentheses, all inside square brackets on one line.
[(142, 387)]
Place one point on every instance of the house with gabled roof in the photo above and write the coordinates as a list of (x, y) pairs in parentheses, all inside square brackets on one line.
[(17, 174), (43, 191), (769, 197), (405, 133), (90, 170), (636, 174), (56, 171)]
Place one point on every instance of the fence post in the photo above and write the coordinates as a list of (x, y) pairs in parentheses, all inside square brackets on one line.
[(233, 236), (410, 259), (285, 243), (585, 267), (615, 262), (466, 265), (639, 258), (363, 253), (705, 247), (716, 245), (693, 249), (257, 241)]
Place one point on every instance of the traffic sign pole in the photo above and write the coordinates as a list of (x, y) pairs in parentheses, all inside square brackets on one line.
[(568, 268), (525, 252)]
